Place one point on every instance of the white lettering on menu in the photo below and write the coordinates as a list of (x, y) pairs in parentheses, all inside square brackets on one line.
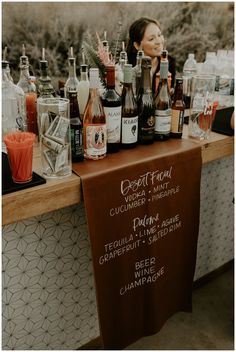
[(144, 180)]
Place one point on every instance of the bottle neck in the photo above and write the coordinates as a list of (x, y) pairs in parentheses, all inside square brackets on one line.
[(24, 73), (164, 67), (44, 70), (139, 61), (178, 92), (111, 79), (5, 77), (84, 76), (72, 71), (146, 79), (127, 85)]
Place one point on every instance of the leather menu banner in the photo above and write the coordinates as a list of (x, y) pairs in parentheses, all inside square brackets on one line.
[(142, 209)]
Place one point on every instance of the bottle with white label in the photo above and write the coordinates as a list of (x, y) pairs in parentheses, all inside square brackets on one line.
[(112, 108), (162, 104), (95, 130), (129, 115)]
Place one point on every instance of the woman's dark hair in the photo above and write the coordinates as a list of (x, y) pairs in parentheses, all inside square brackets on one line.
[(136, 33)]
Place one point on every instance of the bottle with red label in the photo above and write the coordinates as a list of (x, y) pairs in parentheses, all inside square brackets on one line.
[(95, 129), (177, 110)]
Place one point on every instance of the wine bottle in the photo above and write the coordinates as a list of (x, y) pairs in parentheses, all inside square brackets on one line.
[(76, 124), (137, 72), (112, 108), (146, 110), (129, 114), (162, 105), (177, 111), (95, 131)]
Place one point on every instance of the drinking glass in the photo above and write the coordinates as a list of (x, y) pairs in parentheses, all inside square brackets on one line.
[(20, 155), (54, 133), (202, 107)]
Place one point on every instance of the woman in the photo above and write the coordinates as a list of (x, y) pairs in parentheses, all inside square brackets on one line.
[(145, 33)]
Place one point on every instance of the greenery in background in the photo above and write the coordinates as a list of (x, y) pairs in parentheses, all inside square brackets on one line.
[(187, 26)]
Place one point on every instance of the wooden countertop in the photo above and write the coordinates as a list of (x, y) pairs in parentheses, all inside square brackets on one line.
[(56, 194)]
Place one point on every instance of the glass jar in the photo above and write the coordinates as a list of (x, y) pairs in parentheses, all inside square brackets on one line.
[(54, 133)]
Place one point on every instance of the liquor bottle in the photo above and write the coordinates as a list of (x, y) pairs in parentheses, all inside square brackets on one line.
[(164, 57), (106, 49), (123, 59), (162, 104), (20, 96), (146, 110), (95, 132), (177, 111), (45, 88), (129, 114), (29, 89), (9, 104), (76, 124), (83, 89), (112, 108), (137, 71)]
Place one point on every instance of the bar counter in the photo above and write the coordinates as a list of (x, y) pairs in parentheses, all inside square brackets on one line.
[(60, 193)]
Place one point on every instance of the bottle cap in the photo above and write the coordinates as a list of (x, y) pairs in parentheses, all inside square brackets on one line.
[(84, 67), (128, 73), (4, 64), (179, 80), (43, 64), (191, 56), (24, 61), (164, 55), (146, 62), (140, 54), (94, 78)]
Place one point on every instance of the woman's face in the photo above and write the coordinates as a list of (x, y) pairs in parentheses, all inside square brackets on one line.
[(153, 41)]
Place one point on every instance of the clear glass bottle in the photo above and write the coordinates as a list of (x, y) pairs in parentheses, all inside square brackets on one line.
[(112, 108), (189, 70), (76, 123), (106, 49), (129, 115), (177, 110), (45, 87), (162, 104), (29, 89), (123, 59), (95, 130), (146, 110), (190, 66), (83, 89), (137, 71), (9, 104), (20, 96)]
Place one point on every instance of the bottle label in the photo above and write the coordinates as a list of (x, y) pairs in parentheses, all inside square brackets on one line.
[(76, 137), (177, 120), (96, 140), (163, 121), (113, 120), (129, 130)]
